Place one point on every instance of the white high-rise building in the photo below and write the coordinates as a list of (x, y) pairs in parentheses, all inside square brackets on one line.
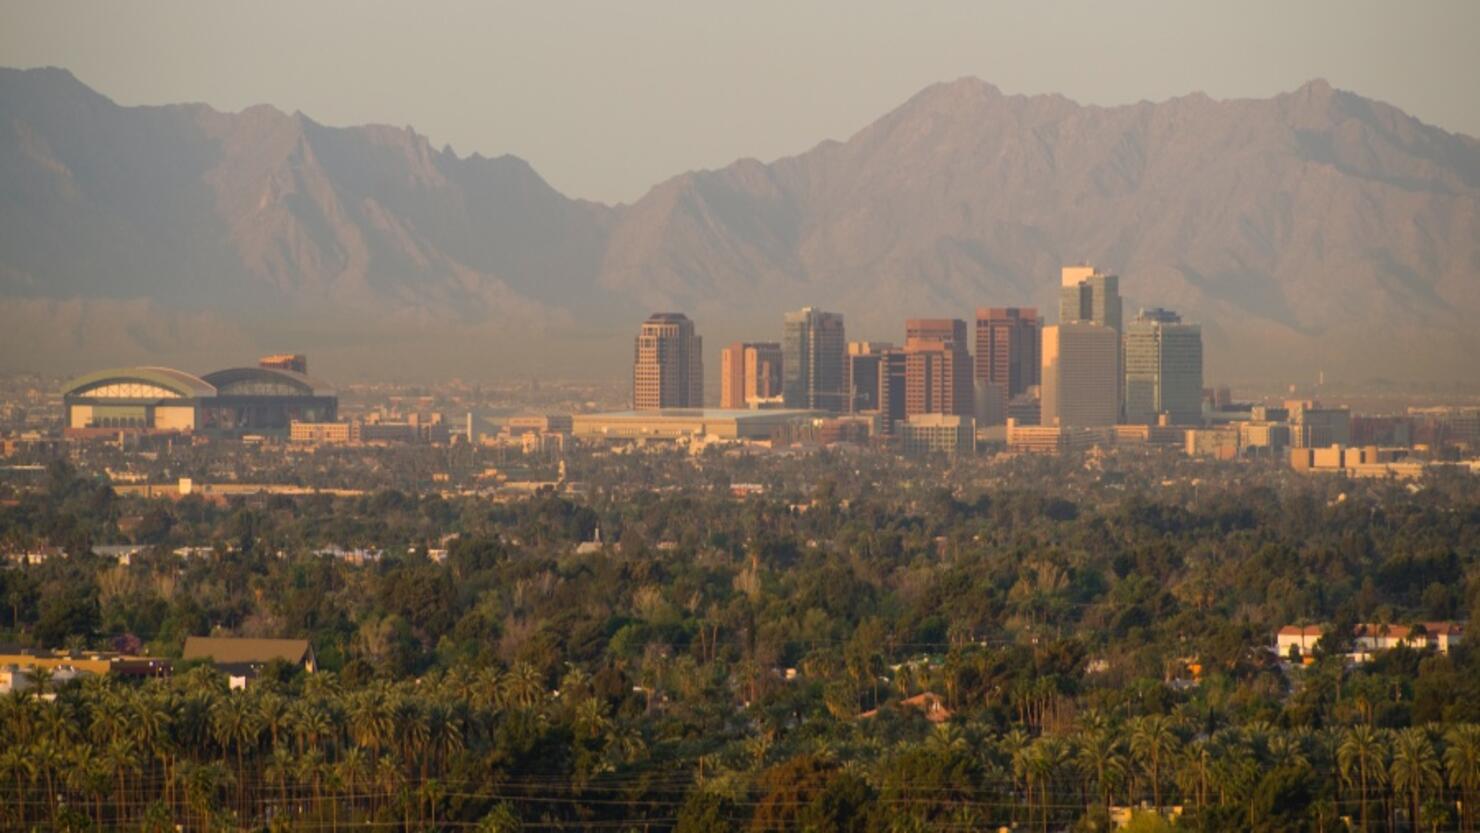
[(1163, 369)]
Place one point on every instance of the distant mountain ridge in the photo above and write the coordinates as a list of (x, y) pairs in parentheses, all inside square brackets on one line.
[(1313, 230)]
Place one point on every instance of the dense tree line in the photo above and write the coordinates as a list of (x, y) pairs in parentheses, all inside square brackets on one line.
[(1097, 630)]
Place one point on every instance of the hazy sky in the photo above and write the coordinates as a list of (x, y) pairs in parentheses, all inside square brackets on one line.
[(606, 99)]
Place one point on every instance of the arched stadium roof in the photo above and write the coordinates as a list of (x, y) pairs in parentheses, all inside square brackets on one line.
[(177, 382), (266, 381)]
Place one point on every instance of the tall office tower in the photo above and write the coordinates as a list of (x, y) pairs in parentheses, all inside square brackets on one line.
[(1081, 379), (750, 373), (1163, 369), (1007, 349), (893, 370), (937, 368), (864, 360), (813, 346), (668, 364), (1087, 295)]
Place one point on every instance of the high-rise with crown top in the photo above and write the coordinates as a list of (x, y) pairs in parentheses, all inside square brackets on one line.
[(668, 364)]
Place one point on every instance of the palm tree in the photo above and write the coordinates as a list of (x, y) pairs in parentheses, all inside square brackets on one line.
[(1462, 762), (279, 765), (522, 686), (1153, 741), (445, 735), (350, 771), (122, 759), (1415, 768), (48, 760), (1025, 768), (371, 720), (18, 769), (234, 726), (88, 774), (1102, 757), (1050, 756), (1361, 760), (273, 714), (1198, 769), (310, 766), (311, 725)]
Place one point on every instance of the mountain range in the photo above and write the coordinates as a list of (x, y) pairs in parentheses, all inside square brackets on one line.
[(1316, 230)]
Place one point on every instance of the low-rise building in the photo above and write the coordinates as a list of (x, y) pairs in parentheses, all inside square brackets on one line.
[(950, 434), (1301, 639), (242, 659), (686, 423), (1219, 443), (1440, 636), (1053, 439)]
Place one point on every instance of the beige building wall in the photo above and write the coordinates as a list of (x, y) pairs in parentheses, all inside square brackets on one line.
[(81, 416), (1081, 375), (174, 417)]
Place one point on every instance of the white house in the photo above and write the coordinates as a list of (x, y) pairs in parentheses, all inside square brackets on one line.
[(1302, 638)]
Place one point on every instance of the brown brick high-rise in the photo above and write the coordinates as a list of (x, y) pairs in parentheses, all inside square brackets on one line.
[(1007, 349), (937, 367)]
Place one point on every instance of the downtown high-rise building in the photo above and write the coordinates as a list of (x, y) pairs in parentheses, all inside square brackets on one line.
[(937, 368), (749, 374), (1163, 369), (1087, 295), (876, 381), (813, 347), (862, 367), (668, 364), (1007, 350), (1081, 382)]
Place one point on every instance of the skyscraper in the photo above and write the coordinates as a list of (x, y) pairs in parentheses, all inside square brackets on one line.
[(812, 360), (1163, 369), (862, 367), (1081, 381), (1087, 295), (668, 364), (937, 367), (1007, 349), (750, 373)]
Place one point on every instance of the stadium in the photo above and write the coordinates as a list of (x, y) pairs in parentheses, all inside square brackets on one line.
[(261, 399)]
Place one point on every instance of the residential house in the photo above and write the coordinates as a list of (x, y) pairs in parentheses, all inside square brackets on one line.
[(1300, 638)]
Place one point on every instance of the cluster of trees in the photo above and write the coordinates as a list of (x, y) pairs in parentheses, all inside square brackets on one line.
[(500, 751), (1097, 634)]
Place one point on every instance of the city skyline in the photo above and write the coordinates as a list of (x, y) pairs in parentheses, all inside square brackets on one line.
[(700, 419), (466, 256), (1089, 369)]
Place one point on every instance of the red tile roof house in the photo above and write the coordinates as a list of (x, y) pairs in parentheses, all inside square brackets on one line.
[(1437, 635)]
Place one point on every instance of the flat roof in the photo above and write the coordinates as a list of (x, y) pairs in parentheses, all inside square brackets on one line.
[(702, 413), (673, 423)]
